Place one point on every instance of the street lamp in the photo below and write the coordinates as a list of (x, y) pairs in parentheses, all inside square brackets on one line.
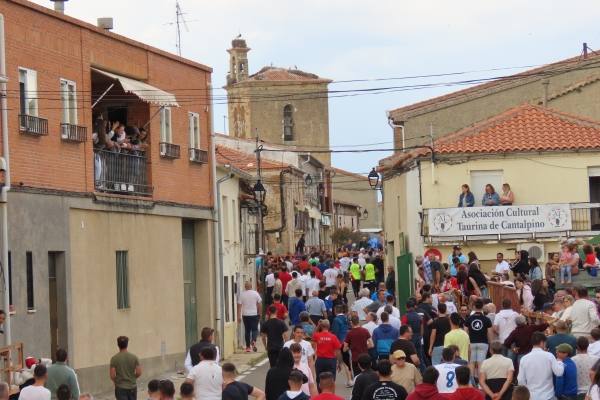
[(373, 178), (259, 192), (308, 180), (365, 214)]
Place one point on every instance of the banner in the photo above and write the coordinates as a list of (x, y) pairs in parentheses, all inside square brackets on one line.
[(499, 220)]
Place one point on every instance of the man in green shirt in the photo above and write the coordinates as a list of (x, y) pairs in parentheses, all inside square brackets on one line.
[(60, 373), (124, 370)]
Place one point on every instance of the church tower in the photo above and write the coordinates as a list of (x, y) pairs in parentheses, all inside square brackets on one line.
[(238, 61)]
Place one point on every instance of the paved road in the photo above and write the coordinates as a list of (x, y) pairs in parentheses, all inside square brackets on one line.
[(256, 377)]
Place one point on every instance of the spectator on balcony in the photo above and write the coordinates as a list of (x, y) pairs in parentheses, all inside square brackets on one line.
[(490, 197), (520, 267), (591, 261), (551, 267), (466, 198), (535, 271), (139, 140), (508, 197)]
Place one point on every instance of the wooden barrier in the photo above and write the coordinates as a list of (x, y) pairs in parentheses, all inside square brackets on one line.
[(499, 292), (11, 359)]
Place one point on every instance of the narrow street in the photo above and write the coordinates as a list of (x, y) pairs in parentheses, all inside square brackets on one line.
[(255, 376)]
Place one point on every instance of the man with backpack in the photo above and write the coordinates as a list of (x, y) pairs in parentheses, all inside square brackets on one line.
[(383, 337)]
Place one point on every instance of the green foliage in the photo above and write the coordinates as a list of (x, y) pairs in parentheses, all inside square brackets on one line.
[(341, 236)]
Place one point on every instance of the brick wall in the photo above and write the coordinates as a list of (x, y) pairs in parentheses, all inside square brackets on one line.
[(57, 47)]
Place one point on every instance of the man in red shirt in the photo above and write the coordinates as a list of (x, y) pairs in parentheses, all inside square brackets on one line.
[(327, 387), (282, 311), (465, 391), (284, 277), (357, 340), (303, 264), (327, 348)]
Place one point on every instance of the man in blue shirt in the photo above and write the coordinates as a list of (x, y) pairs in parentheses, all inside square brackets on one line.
[(296, 307), (565, 386)]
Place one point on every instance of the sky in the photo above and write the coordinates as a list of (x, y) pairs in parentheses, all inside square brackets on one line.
[(356, 40)]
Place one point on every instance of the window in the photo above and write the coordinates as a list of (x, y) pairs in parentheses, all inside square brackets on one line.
[(28, 92), (165, 125), (122, 281), (225, 218), (227, 300), (233, 298), (288, 122), (29, 272), (194, 130), (481, 178), (233, 218), (69, 102)]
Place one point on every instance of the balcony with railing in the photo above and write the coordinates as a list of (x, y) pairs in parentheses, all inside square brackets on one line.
[(121, 173), (73, 133), (198, 156), (33, 125), (510, 222), (169, 150)]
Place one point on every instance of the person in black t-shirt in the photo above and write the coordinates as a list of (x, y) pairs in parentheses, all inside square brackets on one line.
[(272, 332), (385, 389), (366, 377), (480, 333), (234, 390), (405, 343), (439, 328)]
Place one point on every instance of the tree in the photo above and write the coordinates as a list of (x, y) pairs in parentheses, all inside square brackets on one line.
[(341, 236)]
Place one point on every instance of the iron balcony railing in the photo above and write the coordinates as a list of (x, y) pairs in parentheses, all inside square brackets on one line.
[(121, 173), (73, 133), (169, 150), (198, 156), (33, 125), (585, 219)]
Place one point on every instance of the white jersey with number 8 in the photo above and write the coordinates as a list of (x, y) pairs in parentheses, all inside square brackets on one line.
[(446, 382)]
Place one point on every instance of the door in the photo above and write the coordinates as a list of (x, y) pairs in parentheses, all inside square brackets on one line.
[(595, 198), (57, 301), (405, 278), (481, 178), (189, 282)]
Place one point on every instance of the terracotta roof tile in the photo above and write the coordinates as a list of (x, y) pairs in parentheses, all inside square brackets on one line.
[(283, 74), (244, 161), (524, 128)]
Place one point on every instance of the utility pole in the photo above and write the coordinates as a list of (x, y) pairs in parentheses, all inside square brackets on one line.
[(259, 148)]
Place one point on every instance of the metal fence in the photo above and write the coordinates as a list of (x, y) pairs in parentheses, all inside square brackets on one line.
[(73, 133), (122, 173), (33, 125)]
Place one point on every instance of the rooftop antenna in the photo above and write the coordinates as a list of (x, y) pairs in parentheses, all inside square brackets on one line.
[(179, 21)]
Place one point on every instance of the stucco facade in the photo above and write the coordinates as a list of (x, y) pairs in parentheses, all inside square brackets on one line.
[(355, 189)]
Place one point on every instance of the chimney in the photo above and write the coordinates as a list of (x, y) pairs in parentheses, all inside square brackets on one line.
[(105, 23), (585, 50), (545, 84), (59, 5)]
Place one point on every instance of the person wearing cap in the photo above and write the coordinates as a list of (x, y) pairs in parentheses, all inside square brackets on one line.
[(295, 382), (403, 373), (560, 337), (537, 369), (565, 385)]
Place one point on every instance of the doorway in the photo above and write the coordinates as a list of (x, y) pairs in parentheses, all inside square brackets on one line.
[(189, 282), (595, 198), (57, 301)]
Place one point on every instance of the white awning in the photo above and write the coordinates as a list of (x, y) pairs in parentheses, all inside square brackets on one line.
[(145, 92)]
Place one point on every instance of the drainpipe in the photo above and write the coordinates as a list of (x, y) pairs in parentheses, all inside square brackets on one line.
[(6, 187), (394, 125), (219, 309)]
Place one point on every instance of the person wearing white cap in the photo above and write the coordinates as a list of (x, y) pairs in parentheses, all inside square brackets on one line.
[(403, 373)]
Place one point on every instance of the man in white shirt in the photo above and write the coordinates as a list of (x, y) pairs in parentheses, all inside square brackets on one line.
[(249, 310), (504, 322), (594, 347), (288, 263), (584, 315), (37, 391), (446, 382), (371, 324), (291, 287), (308, 351), (536, 369), (345, 263), (312, 284), (389, 302), (270, 282), (450, 306), (393, 321), (207, 377), (502, 267), (330, 276), (360, 304)]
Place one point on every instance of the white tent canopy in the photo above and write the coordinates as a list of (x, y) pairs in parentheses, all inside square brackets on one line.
[(144, 91)]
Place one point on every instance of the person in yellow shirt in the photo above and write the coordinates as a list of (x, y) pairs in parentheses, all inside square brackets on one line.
[(355, 275), (458, 337), (370, 276)]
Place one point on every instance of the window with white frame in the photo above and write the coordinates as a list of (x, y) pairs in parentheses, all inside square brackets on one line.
[(165, 125), (69, 101), (28, 92), (481, 178), (194, 130)]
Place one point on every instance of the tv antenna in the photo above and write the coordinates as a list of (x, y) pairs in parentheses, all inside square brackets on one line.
[(179, 22)]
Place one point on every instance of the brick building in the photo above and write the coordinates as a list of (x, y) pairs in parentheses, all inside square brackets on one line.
[(102, 242)]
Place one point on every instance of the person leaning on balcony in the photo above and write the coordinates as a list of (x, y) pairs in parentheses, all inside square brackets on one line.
[(508, 197), (490, 197), (466, 198)]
